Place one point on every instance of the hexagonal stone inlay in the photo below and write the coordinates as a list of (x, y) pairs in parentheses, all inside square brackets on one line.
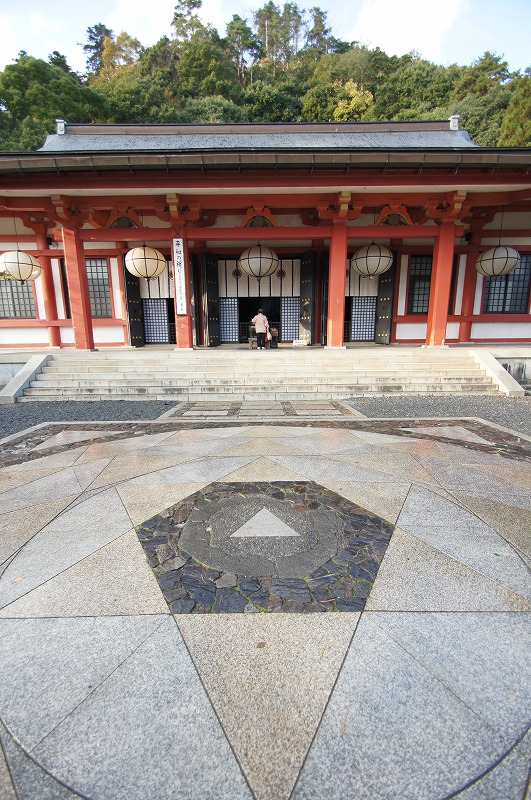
[(281, 546)]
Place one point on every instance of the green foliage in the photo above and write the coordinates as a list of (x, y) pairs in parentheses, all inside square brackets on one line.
[(285, 65), (483, 115), (96, 35), (242, 44), (205, 68), (263, 102), (483, 75), (34, 93), (516, 125), (410, 85), (212, 109)]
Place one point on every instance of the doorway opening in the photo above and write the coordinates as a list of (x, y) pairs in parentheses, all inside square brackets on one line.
[(248, 308)]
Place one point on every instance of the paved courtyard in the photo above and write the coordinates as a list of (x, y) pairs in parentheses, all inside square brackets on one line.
[(228, 604)]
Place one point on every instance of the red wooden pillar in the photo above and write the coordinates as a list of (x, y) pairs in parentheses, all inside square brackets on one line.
[(182, 282), (76, 274), (441, 279), (336, 286), (48, 293)]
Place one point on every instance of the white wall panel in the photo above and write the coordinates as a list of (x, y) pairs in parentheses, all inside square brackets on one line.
[(501, 330), (56, 272), (452, 330), (479, 294), (116, 291), (29, 336), (108, 333), (460, 284), (39, 296), (402, 285), (67, 335), (411, 330)]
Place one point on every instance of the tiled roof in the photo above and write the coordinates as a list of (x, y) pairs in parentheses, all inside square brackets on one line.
[(81, 139)]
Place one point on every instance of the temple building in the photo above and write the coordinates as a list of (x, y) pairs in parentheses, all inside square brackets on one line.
[(386, 232)]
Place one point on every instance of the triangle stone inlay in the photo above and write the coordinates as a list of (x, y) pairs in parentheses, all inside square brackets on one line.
[(264, 523), (284, 546)]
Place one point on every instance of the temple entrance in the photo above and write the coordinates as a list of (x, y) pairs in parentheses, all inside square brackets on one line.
[(248, 308)]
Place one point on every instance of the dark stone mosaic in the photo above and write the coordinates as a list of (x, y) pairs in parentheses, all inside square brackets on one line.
[(19, 449), (329, 564)]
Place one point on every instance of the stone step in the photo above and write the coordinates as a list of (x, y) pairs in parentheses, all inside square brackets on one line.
[(263, 375), (339, 380), (258, 390)]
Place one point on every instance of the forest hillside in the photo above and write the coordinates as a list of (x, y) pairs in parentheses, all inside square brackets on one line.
[(283, 65)]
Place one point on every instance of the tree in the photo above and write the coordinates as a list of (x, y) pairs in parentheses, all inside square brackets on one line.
[(263, 102), (59, 60), (117, 54), (318, 35), (484, 74), (185, 21), (482, 115), (34, 93), (411, 85), (205, 68), (96, 36), (268, 25), (242, 44), (353, 103), (212, 109), (516, 124)]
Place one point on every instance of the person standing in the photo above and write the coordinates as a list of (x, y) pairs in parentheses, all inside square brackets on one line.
[(261, 325)]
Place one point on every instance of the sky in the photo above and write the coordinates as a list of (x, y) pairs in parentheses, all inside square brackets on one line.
[(442, 31)]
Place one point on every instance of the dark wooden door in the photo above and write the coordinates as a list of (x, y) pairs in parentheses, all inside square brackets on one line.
[(324, 298), (307, 291), (384, 306), (135, 314), (210, 299)]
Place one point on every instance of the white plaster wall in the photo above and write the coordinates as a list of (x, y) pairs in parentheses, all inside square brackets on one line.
[(501, 330), (108, 333), (356, 286), (411, 330), (67, 335), (115, 288), (157, 287), (29, 336), (460, 284), (478, 297), (271, 286), (452, 330), (39, 296), (402, 285), (56, 272)]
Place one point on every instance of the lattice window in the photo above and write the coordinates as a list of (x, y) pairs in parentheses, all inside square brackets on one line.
[(509, 294), (290, 317), (16, 299), (419, 284), (363, 319), (228, 319), (156, 326), (98, 286)]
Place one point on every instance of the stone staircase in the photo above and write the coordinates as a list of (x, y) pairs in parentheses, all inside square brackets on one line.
[(241, 374)]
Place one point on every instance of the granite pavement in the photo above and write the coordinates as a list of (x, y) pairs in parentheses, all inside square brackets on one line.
[(317, 605)]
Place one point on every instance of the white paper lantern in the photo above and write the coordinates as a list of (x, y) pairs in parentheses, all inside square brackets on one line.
[(145, 262), (258, 261), (497, 261), (371, 260), (19, 266)]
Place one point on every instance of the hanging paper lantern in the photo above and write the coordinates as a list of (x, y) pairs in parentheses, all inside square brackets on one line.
[(497, 261), (145, 262), (258, 261), (371, 260), (19, 266)]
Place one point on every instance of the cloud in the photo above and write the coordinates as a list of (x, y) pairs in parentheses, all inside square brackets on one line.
[(399, 26)]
